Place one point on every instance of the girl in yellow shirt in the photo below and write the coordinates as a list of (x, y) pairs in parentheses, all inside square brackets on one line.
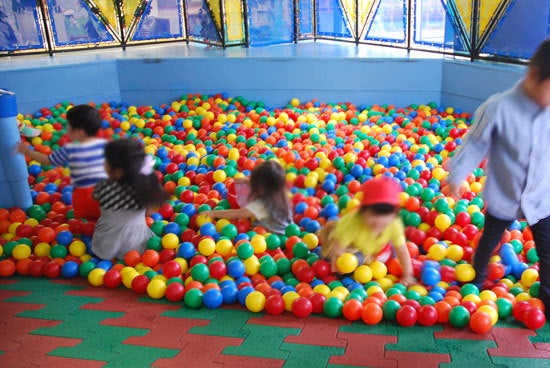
[(371, 231)]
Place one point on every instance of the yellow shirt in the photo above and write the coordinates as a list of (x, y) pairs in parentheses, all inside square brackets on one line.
[(351, 232)]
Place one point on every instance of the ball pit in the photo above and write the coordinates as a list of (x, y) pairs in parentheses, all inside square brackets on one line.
[(201, 144)]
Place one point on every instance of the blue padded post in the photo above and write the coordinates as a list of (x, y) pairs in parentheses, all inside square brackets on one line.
[(14, 188)]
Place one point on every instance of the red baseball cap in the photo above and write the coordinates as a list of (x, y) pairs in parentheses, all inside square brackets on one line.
[(379, 191)]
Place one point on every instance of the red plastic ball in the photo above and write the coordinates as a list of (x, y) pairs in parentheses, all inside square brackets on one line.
[(112, 279), (406, 316), (372, 313), (519, 310), (427, 315), (480, 322), (52, 269), (352, 310), (139, 284), (175, 292), (37, 268), (321, 268), (218, 269), (171, 269), (302, 307), (305, 274), (534, 319), (274, 305), (166, 211), (7, 268), (318, 302)]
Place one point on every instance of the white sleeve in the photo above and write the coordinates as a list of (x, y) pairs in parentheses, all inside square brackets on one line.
[(258, 209)]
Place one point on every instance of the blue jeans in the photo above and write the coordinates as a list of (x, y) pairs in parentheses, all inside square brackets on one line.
[(494, 227)]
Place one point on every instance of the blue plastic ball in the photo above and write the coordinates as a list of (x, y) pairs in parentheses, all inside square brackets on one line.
[(64, 237), (243, 293), (235, 269), (186, 250), (69, 269), (212, 298)]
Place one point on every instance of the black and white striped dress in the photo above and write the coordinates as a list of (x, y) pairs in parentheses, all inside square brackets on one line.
[(121, 226)]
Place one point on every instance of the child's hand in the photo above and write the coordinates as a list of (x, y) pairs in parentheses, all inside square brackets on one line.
[(456, 191), (241, 180), (22, 148), (209, 214)]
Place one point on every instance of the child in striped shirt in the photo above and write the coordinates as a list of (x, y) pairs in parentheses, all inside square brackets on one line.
[(84, 156)]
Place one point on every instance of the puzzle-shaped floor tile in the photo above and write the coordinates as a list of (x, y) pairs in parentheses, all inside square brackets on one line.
[(35, 350), (513, 362), (466, 353), (411, 359), (302, 355), (262, 342), (450, 332), (364, 350), (543, 334), (239, 361), (514, 342), (283, 320), (225, 322), (139, 315), (167, 333), (417, 339), (199, 351), (320, 331), (383, 328)]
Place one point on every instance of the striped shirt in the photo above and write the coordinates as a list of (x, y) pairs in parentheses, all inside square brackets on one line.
[(111, 195), (514, 133), (85, 160)]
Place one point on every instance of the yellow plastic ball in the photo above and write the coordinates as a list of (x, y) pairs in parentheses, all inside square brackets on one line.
[(442, 222), (374, 289), (347, 263), (437, 252), (465, 272), (472, 298), (342, 290), (156, 288), (311, 240), (224, 247), (385, 283), (488, 295), (258, 243), (321, 289), (170, 241), (295, 102), (77, 248), (95, 277), (251, 265), (421, 290), (379, 270), (42, 250), (523, 297), (207, 246), (21, 251), (255, 301), (219, 176), (529, 277), (455, 252), (362, 274)]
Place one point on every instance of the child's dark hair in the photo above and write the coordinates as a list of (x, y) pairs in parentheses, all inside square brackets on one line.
[(128, 156), (86, 118), (380, 208), (268, 183), (540, 61)]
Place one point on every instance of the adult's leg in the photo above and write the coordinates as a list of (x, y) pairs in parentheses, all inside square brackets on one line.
[(541, 235), (492, 233)]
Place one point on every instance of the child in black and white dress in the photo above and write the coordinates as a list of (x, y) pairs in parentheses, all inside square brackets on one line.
[(132, 187)]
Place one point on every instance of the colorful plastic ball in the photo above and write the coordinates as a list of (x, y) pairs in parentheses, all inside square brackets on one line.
[(528, 277), (480, 322), (352, 309), (212, 298), (58, 251), (289, 297), (21, 251), (406, 316), (430, 276), (85, 268), (77, 248), (534, 319), (230, 231), (363, 274), (150, 258), (245, 250), (235, 268), (347, 263), (207, 246), (193, 298), (255, 301), (519, 309), (302, 307), (170, 241), (372, 313), (171, 269), (427, 315), (390, 308), (379, 270), (465, 272), (112, 279), (138, 283), (459, 316), (69, 269), (230, 294), (200, 272), (95, 277), (52, 269), (274, 305), (333, 307), (442, 222)]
